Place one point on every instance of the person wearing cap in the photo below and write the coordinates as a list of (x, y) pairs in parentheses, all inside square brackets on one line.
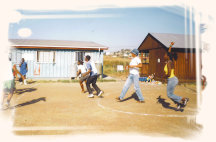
[(81, 71), (133, 77)]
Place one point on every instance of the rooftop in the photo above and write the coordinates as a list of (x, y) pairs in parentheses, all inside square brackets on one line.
[(180, 40), (53, 44)]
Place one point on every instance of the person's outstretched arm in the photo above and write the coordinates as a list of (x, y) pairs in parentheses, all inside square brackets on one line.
[(78, 72), (171, 45)]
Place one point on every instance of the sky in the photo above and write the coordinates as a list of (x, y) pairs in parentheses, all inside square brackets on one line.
[(116, 28)]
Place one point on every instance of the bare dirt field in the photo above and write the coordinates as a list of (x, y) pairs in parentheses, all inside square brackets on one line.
[(61, 108)]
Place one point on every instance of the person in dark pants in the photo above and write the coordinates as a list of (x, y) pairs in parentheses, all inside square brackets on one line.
[(91, 69)]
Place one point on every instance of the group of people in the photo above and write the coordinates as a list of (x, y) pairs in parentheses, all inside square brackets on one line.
[(88, 73), (9, 85), (169, 70), (22, 72)]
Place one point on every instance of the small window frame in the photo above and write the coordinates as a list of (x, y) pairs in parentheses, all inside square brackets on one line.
[(50, 60)]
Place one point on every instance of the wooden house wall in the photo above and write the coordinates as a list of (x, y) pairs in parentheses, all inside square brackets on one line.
[(185, 68), (155, 66), (144, 69)]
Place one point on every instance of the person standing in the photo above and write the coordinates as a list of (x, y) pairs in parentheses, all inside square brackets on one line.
[(172, 79), (23, 70), (81, 70), (8, 86), (133, 77), (92, 79)]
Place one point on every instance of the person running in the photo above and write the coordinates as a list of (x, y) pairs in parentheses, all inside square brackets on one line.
[(16, 72), (23, 70), (81, 70), (133, 77), (8, 87), (92, 79), (172, 79)]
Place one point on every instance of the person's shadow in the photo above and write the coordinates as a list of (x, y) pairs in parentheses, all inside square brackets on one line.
[(21, 91), (29, 102), (167, 105), (31, 82), (133, 96)]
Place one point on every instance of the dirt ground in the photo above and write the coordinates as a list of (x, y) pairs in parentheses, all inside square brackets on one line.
[(61, 108)]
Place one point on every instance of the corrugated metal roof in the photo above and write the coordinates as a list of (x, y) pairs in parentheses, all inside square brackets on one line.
[(181, 40), (55, 43)]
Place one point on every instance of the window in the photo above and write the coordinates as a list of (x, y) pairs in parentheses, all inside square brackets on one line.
[(146, 58), (46, 56), (16, 56), (80, 56)]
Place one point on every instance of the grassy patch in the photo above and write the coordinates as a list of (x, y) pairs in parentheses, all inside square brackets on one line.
[(110, 66)]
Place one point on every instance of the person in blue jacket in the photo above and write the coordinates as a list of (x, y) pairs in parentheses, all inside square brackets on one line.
[(23, 70)]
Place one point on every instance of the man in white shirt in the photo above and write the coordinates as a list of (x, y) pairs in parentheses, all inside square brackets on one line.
[(134, 66), (91, 69), (81, 71)]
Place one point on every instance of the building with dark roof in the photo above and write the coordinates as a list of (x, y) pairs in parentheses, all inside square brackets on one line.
[(155, 46), (54, 58)]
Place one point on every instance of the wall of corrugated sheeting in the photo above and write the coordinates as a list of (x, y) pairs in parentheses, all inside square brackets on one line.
[(63, 66)]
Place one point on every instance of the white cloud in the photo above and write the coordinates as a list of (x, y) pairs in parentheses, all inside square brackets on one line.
[(24, 32)]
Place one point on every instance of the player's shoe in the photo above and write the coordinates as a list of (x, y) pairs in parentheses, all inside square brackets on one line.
[(25, 83), (140, 101), (5, 105), (185, 101), (118, 99), (101, 92), (178, 106), (91, 96)]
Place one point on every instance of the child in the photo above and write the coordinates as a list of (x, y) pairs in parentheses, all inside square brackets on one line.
[(133, 77), (81, 70), (150, 78)]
